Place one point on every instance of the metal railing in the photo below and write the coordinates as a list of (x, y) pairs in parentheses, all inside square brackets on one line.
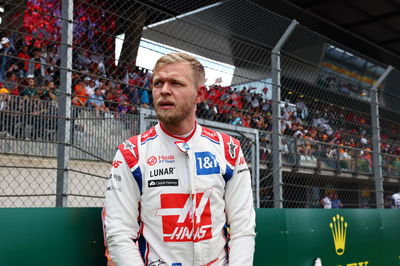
[(54, 147)]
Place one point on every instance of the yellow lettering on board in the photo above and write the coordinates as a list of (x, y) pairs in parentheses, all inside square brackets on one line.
[(363, 263)]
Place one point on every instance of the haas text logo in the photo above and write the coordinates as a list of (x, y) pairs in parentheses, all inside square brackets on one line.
[(180, 223)]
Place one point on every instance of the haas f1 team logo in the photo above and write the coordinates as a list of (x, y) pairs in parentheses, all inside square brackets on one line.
[(180, 223)]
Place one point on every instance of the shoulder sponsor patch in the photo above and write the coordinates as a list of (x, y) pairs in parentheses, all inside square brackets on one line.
[(243, 170), (130, 151), (231, 148), (148, 135), (206, 163), (209, 134), (163, 183)]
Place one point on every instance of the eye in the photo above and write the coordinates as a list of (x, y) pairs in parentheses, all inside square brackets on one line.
[(177, 83), (157, 84)]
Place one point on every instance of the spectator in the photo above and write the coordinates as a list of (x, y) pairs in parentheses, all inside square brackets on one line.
[(336, 203), (51, 58), (236, 119), (23, 63), (7, 63), (144, 97), (80, 96), (30, 89), (11, 83), (47, 93), (90, 85), (123, 107), (83, 61), (111, 101), (96, 101), (36, 67), (396, 200), (326, 202), (4, 115)]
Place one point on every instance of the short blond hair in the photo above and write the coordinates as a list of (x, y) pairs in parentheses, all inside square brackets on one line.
[(198, 73)]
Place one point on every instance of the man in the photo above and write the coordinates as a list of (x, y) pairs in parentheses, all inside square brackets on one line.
[(7, 62), (396, 200), (174, 189), (30, 90), (11, 83), (47, 93), (96, 101), (80, 96), (37, 67), (326, 202)]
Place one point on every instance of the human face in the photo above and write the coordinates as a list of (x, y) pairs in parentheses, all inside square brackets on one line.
[(51, 85), (175, 94)]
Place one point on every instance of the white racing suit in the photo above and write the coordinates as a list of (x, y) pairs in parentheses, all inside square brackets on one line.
[(169, 201)]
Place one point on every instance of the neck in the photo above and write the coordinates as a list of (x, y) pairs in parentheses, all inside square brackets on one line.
[(178, 130)]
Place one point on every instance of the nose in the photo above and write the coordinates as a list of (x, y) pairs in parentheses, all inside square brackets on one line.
[(166, 89)]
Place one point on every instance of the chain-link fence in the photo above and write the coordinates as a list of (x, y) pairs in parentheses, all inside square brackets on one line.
[(76, 79)]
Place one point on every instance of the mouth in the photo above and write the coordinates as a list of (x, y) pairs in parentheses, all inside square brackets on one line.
[(166, 105)]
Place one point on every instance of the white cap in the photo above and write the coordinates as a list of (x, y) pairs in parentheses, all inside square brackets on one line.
[(30, 76), (4, 40)]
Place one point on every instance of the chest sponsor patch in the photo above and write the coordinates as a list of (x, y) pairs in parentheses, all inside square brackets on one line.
[(162, 171), (180, 223), (206, 163), (163, 183)]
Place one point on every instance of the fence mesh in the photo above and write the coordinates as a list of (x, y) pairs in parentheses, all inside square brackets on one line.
[(326, 135)]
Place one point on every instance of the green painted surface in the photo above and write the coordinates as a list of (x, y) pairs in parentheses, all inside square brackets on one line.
[(287, 237), (299, 236), (51, 236)]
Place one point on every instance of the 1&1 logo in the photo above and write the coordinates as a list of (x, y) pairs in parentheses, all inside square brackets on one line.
[(206, 163)]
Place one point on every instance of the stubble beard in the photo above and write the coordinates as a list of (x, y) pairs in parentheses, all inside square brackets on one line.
[(176, 115)]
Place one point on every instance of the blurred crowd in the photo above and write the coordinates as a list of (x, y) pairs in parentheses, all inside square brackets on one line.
[(29, 70)]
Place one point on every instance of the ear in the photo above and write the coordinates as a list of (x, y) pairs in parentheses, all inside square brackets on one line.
[(201, 93)]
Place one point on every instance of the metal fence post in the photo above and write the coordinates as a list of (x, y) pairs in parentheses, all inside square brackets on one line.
[(376, 139), (64, 121), (255, 167), (142, 120), (276, 116)]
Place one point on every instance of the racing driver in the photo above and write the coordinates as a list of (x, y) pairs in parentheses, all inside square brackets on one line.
[(174, 190)]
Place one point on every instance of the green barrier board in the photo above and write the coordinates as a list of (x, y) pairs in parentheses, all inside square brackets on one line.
[(51, 236), (285, 237), (296, 237)]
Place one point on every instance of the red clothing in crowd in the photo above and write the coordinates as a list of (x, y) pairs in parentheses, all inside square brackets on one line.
[(80, 93), (26, 58)]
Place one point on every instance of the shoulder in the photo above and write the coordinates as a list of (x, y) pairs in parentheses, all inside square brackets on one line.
[(231, 148), (130, 150), (210, 134), (148, 136), (130, 147)]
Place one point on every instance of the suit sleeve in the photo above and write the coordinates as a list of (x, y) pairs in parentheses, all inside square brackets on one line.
[(240, 215), (122, 204)]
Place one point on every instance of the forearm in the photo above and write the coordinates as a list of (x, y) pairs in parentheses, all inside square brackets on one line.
[(121, 215), (240, 216)]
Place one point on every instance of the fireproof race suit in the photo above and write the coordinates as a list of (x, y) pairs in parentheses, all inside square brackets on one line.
[(169, 201)]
